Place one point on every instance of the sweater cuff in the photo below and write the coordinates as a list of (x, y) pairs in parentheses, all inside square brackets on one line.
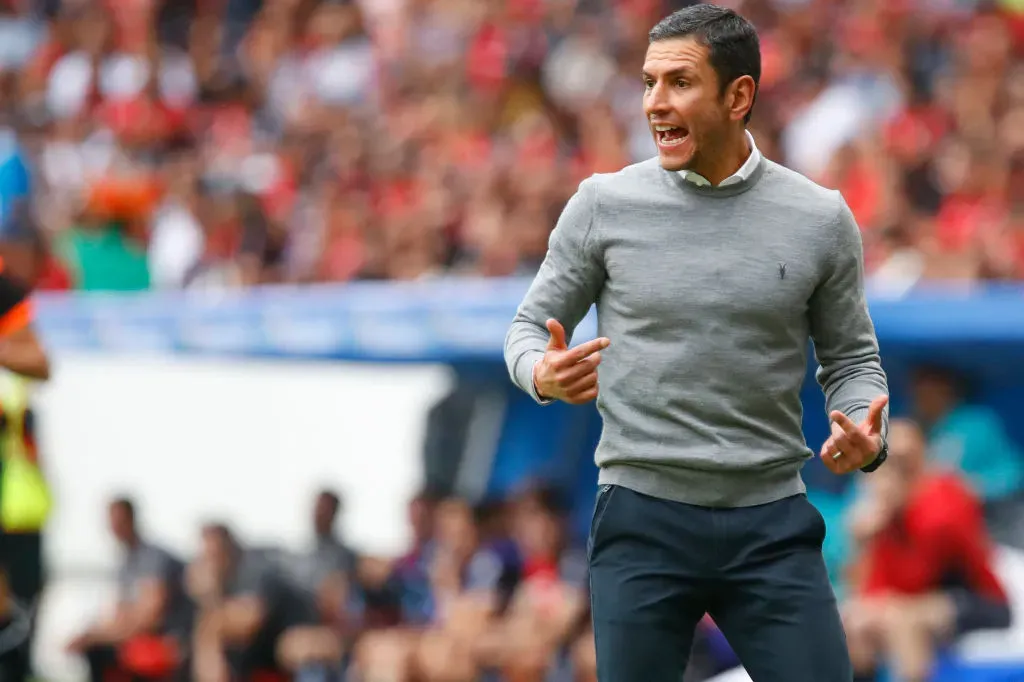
[(861, 413), (858, 415), (524, 375)]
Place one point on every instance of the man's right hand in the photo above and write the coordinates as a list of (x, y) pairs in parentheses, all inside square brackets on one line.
[(565, 374)]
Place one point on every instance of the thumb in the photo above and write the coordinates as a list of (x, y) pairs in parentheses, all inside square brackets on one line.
[(875, 413), (557, 331)]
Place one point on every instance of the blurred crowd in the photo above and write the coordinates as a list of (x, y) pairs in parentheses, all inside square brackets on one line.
[(495, 590), (219, 143), (488, 586)]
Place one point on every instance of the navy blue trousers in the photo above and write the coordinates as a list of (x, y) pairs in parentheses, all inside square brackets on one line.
[(656, 567)]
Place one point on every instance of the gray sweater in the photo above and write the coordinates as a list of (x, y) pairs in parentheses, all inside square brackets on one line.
[(709, 296)]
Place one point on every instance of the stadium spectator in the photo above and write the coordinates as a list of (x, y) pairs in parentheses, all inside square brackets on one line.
[(972, 439), (326, 574), (400, 140), (329, 560), (468, 581), (389, 588), (925, 573), (245, 606), (152, 612), (550, 606)]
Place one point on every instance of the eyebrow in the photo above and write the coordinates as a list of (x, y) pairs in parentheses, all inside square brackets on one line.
[(684, 71)]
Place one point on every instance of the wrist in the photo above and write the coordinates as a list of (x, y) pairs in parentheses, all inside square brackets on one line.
[(536, 386), (881, 455)]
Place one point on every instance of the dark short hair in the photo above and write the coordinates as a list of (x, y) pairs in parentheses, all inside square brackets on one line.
[(734, 49), (331, 496), (957, 379), (222, 532), (126, 505), (548, 497)]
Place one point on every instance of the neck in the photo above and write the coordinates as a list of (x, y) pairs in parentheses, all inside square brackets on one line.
[(734, 153), (717, 190)]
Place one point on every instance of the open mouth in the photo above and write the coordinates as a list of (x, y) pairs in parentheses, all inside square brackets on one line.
[(670, 136)]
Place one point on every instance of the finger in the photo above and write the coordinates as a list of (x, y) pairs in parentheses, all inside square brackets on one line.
[(831, 463), (829, 449), (844, 422), (852, 442), (557, 332), (842, 462), (584, 397), (584, 383), (581, 369), (875, 412), (583, 350)]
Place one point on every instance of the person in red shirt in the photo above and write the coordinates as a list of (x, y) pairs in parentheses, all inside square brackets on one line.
[(926, 569)]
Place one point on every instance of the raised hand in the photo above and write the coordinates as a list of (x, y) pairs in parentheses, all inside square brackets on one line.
[(565, 374), (853, 446)]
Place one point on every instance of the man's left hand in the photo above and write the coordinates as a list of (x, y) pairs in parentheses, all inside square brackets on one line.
[(854, 446)]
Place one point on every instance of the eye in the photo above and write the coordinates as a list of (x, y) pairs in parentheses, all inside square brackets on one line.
[(681, 83), (648, 83)]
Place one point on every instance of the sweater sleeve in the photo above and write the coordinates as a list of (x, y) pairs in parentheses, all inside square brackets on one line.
[(565, 287), (849, 367)]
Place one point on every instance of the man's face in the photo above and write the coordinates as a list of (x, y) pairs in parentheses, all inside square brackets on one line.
[(896, 478), (538, 532), (933, 396), (324, 513), (217, 551), (683, 102), (455, 527), (120, 524)]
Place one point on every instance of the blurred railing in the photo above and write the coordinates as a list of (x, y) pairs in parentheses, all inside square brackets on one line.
[(442, 320)]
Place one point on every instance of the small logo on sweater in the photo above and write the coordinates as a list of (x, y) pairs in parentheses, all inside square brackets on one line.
[(782, 271)]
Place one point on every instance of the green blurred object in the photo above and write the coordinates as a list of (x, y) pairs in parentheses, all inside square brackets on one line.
[(837, 548), (101, 258)]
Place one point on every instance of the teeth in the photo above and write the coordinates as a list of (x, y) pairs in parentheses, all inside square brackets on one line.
[(665, 129)]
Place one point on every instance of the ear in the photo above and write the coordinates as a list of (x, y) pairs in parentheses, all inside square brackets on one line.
[(740, 97)]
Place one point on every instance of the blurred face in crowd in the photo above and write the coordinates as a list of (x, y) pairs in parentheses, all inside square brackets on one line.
[(325, 512), (218, 551), (122, 525), (692, 117), (896, 478), (456, 528), (421, 516), (538, 531), (934, 395)]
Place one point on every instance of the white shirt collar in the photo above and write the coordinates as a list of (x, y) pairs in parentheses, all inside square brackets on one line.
[(745, 171)]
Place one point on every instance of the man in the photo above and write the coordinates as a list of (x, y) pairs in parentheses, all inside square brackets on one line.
[(972, 439), (329, 560), (711, 267), (21, 570), (462, 585), (927, 564), (245, 606), (151, 602), (325, 577), (549, 607)]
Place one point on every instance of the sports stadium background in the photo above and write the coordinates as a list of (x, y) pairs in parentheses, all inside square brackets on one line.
[(277, 244)]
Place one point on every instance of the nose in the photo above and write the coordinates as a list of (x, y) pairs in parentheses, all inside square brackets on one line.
[(656, 100)]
